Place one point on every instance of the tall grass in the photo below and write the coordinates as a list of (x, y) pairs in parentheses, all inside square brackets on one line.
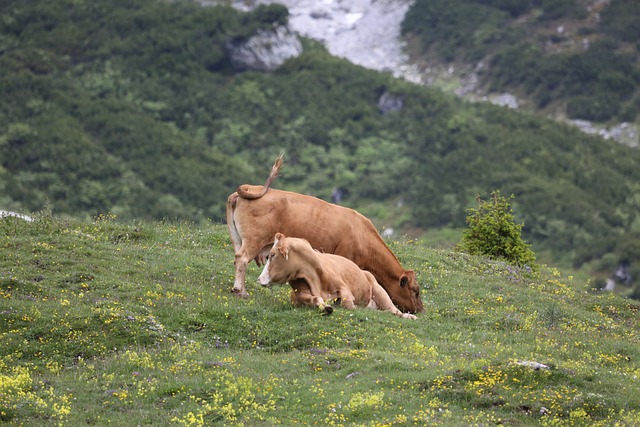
[(104, 322)]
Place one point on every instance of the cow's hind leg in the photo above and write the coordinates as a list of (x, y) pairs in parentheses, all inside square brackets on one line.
[(242, 259), (382, 301), (234, 234)]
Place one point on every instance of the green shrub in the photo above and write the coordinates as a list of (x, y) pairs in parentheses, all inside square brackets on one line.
[(597, 108), (493, 232)]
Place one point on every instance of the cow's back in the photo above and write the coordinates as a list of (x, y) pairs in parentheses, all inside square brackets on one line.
[(329, 228)]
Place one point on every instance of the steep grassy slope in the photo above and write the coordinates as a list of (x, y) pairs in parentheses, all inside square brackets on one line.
[(108, 322)]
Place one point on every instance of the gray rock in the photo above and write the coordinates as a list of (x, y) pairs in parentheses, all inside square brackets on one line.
[(265, 51), (5, 214), (504, 100), (389, 103)]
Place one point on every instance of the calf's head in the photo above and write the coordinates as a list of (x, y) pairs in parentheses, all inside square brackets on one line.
[(278, 268), (407, 296)]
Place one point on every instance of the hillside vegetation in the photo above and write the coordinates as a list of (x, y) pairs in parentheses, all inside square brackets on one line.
[(133, 108), (109, 322), (573, 58)]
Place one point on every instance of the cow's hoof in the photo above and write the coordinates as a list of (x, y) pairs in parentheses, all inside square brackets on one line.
[(239, 293), (327, 310)]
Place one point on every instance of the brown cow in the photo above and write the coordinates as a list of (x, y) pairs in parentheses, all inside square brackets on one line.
[(316, 277), (256, 213)]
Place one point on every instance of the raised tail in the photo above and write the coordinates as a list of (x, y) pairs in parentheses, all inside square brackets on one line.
[(247, 191)]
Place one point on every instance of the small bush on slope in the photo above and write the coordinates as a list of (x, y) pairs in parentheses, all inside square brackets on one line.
[(492, 231)]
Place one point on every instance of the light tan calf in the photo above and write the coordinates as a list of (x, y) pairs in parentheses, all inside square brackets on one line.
[(316, 278)]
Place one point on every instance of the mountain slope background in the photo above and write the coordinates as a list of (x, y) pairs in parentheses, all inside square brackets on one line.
[(135, 108), (567, 59)]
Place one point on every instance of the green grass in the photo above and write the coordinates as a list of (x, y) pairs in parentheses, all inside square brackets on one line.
[(111, 323)]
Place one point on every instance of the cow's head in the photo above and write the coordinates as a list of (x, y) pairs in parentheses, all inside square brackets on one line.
[(277, 268), (407, 298)]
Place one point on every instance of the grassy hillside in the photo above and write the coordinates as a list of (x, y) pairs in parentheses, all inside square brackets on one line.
[(133, 323), (134, 108)]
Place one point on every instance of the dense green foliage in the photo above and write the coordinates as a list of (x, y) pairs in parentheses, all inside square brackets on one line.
[(590, 65), (105, 322), (133, 107), (492, 231)]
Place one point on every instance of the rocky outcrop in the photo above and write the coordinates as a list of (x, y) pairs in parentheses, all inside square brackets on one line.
[(366, 32), (6, 214), (625, 133), (265, 51), (622, 276), (389, 103)]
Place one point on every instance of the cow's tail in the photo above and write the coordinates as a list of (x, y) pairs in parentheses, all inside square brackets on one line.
[(248, 191)]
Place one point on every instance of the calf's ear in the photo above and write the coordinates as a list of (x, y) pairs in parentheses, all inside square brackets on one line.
[(284, 250)]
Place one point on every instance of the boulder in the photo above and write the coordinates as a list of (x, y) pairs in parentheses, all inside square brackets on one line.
[(390, 103), (265, 51)]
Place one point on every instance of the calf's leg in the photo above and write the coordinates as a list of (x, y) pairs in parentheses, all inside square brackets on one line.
[(346, 298), (303, 297), (382, 301)]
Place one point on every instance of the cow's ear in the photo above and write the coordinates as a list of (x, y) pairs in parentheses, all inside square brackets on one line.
[(404, 280)]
